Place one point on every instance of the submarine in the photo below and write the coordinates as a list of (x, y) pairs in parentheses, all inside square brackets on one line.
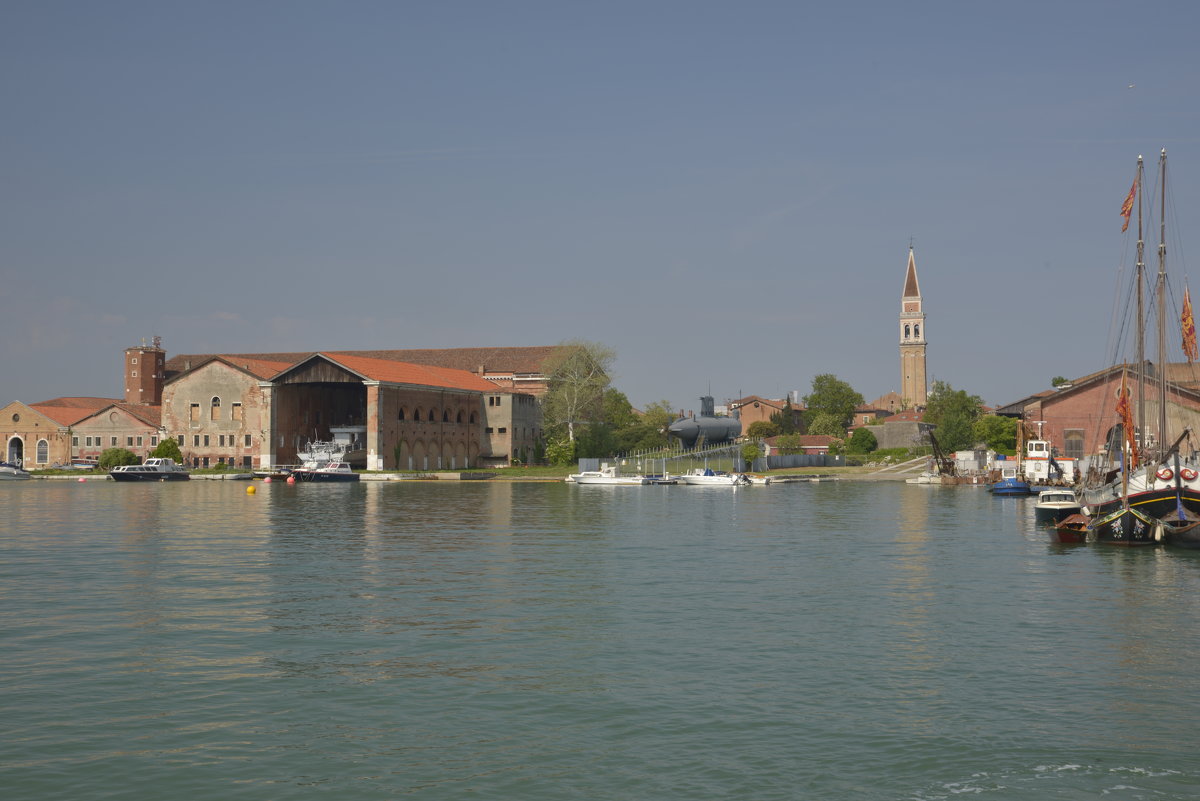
[(706, 428)]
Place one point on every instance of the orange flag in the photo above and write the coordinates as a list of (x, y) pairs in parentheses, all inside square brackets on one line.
[(1127, 206), (1126, 412), (1188, 324)]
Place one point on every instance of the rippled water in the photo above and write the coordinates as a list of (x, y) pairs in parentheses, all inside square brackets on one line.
[(543, 641)]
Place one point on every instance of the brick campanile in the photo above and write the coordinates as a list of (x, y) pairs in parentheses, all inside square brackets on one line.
[(144, 374), (913, 383)]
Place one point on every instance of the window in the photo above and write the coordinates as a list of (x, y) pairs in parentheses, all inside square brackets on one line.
[(74, 442), (139, 442), (216, 409), (248, 443), (195, 412), (153, 441), (43, 451), (195, 440), (111, 441), (181, 440), (401, 416), (246, 462), (235, 412), (128, 442), (502, 430), (431, 417), (1073, 443), (487, 430), (458, 419), (445, 415), (133, 360), (133, 374), (206, 442), (221, 440)]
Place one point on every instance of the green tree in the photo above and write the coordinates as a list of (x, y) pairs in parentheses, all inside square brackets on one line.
[(831, 396), (167, 448), (785, 419), (115, 457), (998, 433), (827, 423), (560, 452), (862, 441), (761, 429), (789, 443), (750, 452), (647, 430), (1058, 381), (577, 376), (953, 412)]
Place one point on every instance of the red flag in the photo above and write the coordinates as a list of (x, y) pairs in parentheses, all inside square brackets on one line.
[(1188, 324), (1127, 206), (1126, 413)]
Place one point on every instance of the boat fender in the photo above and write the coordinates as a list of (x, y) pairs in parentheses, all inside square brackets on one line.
[(1188, 474), (1165, 474)]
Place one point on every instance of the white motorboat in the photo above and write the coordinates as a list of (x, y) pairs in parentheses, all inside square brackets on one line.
[(1055, 505), (10, 471), (703, 476), (607, 474), (328, 472), (151, 470)]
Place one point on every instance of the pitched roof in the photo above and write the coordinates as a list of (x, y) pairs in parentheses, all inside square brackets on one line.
[(69, 411), (393, 372), (150, 415), (518, 360)]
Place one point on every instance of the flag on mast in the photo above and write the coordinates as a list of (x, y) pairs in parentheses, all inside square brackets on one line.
[(1188, 325), (1125, 410), (1127, 206)]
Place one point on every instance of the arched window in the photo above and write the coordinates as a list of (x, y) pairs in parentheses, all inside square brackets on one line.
[(216, 408), (473, 418), (459, 418), (401, 417), (445, 415), (431, 417), (43, 451), (417, 414), (917, 331), (907, 331)]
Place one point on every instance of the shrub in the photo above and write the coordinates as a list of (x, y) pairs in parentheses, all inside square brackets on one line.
[(115, 457)]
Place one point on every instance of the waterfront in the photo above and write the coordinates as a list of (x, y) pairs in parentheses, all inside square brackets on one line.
[(541, 641)]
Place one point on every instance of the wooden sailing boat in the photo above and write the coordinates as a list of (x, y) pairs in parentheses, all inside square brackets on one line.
[(1154, 491)]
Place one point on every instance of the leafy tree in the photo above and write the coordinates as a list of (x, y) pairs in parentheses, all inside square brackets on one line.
[(831, 396), (167, 448), (577, 376), (750, 452), (827, 423), (647, 430), (954, 412), (115, 457), (761, 429), (785, 419), (999, 433), (789, 443), (862, 441), (1058, 381), (560, 452)]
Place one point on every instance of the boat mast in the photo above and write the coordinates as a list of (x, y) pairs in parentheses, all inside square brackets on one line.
[(1140, 273), (1162, 302)]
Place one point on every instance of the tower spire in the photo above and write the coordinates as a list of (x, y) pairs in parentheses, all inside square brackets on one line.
[(913, 384)]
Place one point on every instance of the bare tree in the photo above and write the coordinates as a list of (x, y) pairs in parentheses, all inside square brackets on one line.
[(577, 374)]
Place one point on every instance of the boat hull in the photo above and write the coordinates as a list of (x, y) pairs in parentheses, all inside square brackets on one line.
[(129, 475), (1154, 503), (1071, 530), (1127, 527), (319, 477), (1010, 487)]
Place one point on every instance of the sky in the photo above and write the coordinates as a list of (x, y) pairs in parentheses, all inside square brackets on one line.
[(722, 193)]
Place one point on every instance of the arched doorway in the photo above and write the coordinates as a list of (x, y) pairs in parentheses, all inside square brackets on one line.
[(15, 452)]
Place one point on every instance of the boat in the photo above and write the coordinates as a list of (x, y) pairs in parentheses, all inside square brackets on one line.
[(12, 471), (1011, 482), (926, 477), (705, 477), (1055, 505), (327, 473), (607, 474), (155, 469), (1071, 530), (1146, 490), (1181, 528)]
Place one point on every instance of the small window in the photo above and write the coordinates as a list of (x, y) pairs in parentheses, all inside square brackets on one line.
[(248, 443), (153, 441), (431, 417), (133, 360), (139, 442), (221, 440), (206, 440), (502, 430), (401, 415), (128, 442), (74, 442), (195, 440), (181, 440), (458, 419), (195, 412), (133, 374), (487, 430), (216, 409), (235, 411), (43, 451), (445, 415)]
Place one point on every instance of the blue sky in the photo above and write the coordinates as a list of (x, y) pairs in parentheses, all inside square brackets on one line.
[(723, 193)]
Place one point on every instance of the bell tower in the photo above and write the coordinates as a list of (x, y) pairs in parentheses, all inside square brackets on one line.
[(144, 373), (913, 384)]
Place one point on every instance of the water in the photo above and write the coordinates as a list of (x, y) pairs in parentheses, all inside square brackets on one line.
[(541, 641)]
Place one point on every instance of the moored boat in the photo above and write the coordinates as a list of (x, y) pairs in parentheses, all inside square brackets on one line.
[(1010, 482), (1071, 530), (12, 471), (326, 473), (607, 474), (1055, 505), (155, 469), (703, 476)]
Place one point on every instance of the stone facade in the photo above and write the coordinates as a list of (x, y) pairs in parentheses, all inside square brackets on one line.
[(134, 428), (217, 414)]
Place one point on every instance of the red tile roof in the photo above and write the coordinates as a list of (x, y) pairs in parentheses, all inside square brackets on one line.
[(69, 411), (393, 372)]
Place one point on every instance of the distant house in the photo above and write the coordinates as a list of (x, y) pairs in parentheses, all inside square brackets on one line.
[(755, 409), (817, 444), (39, 435), (134, 427)]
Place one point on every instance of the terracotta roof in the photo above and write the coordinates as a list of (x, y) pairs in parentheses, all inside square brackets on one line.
[(394, 372), (494, 360), (69, 411)]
